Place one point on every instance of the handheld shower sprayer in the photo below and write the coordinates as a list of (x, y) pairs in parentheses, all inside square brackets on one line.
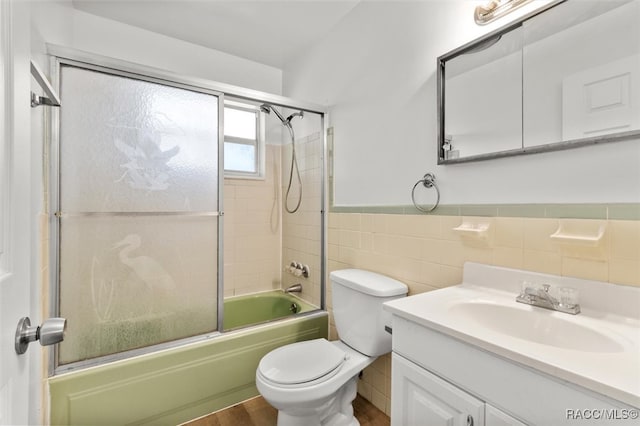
[(295, 114), (266, 108)]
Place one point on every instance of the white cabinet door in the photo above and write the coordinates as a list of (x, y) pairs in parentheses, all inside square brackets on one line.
[(495, 417), (421, 398)]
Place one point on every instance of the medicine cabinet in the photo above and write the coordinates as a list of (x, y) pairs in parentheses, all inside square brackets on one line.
[(564, 76)]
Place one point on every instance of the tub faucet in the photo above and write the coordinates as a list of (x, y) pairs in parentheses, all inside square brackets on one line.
[(296, 288)]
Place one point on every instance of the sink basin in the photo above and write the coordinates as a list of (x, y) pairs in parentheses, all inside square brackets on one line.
[(597, 349), (536, 325)]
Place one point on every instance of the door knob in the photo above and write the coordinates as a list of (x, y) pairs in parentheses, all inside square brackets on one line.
[(49, 333)]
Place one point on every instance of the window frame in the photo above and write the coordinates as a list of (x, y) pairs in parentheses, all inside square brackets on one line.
[(259, 142)]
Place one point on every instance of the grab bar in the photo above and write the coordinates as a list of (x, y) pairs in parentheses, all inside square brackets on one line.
[(428, 181)]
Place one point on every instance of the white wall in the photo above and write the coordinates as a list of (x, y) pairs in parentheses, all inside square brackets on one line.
[(377, 71), (57, 22)]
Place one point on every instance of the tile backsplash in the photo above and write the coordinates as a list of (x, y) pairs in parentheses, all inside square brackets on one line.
[(426, 253)]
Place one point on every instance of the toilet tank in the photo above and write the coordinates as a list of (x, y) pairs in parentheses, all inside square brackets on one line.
[(357, 297)]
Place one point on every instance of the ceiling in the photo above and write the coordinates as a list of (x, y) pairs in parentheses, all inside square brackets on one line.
[(266, 31)]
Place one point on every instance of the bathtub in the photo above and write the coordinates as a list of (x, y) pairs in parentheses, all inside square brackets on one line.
[(241, 311), (175, 385)]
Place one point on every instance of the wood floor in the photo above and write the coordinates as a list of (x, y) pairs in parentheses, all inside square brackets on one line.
[(257, 412)]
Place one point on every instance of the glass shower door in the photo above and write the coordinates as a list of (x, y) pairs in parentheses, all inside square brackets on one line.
[(137, 212)]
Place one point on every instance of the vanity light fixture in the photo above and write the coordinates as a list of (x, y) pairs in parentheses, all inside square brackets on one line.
[(495, 9)]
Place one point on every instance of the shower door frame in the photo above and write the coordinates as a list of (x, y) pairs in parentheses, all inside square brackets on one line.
[(60, 56)]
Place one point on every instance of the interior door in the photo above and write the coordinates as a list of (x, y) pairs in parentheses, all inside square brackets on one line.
[(19, 396)]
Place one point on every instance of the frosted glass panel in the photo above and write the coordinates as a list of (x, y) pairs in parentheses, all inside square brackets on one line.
[(132, 145), (129, 282)]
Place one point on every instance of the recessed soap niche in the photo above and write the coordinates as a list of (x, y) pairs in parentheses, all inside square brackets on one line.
[(581, 238)]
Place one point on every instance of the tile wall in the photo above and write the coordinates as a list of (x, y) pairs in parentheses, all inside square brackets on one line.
[(261, 237), (301, 231), (252, 231), (424, 252)]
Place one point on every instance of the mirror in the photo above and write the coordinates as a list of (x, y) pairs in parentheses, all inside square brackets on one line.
[(564, 76)]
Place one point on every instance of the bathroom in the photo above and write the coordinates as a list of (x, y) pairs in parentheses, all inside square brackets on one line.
[(373, 74)]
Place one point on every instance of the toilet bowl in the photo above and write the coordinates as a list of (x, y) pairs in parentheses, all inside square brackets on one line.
[(312, 396), (314, 382)]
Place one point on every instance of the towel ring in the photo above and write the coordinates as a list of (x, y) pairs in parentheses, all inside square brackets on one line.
[(428, 180)]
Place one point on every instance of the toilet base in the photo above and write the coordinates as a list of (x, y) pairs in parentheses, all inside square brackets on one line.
[(336, 411)]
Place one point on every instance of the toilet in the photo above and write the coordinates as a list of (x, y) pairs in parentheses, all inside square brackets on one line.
[(314, 382)]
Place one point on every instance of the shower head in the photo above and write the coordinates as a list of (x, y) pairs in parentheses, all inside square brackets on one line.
[(266, 108)]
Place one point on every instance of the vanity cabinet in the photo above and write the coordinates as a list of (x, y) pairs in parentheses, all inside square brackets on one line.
[(495, 417), (441, 380), (422, 398)]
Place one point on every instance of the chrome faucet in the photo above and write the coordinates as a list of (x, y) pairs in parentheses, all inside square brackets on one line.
[(540, 297), (296, 288)]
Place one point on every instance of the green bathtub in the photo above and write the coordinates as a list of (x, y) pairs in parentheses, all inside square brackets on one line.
[(175, 385), (241, 311)]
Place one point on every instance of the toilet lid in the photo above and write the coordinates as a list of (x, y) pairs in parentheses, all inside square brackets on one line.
[(301, 362)]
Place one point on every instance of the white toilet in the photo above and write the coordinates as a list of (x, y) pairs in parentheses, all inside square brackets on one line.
[(314, 382)]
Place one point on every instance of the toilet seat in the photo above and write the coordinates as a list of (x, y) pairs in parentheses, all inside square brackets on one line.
[(302, 362)]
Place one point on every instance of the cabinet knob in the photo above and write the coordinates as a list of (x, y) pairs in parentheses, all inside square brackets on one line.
[(469, 420)]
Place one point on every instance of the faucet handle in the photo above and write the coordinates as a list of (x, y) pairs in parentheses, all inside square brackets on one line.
[(546, 287), (569, 296), (532, 287), (527, 288)]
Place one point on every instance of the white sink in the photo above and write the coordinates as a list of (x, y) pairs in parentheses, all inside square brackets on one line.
[(598, 348), (536, 325)]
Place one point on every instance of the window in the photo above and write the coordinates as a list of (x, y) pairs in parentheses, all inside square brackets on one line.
[(243, 141)]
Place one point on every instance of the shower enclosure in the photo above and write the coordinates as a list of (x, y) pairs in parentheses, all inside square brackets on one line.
[(169, 195)]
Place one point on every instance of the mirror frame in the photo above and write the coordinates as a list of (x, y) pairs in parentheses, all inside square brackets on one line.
[(548, 147)]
